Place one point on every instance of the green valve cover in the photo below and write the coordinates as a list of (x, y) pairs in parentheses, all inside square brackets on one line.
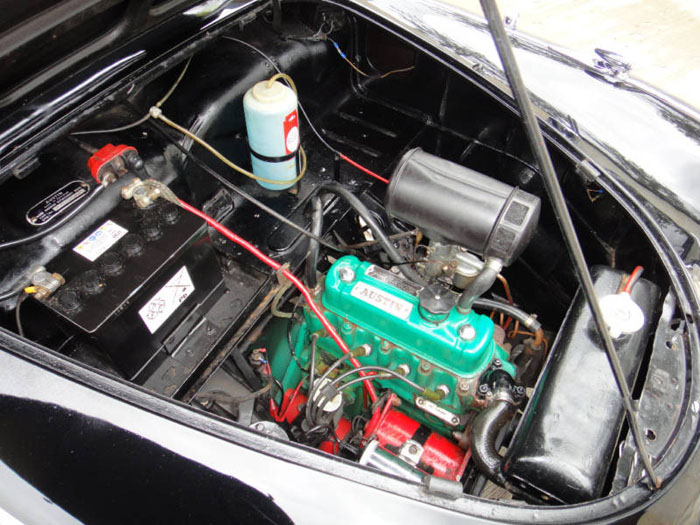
[(387, 306)]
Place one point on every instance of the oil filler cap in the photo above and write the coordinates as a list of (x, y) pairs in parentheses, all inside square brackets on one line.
[(435, 302)]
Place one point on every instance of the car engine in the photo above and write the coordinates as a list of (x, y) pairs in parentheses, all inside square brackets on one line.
[(413, 311)]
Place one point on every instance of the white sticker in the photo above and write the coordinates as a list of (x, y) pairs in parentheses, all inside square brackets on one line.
[(161, 306), (292, 141), (384, 301), (101, 240)]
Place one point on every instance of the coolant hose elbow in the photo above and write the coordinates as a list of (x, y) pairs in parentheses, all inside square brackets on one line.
[(312, 253), (484, 431), (480, 285)]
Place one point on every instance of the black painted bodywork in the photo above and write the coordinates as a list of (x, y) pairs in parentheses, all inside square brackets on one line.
[(564, 444), (100, 449)]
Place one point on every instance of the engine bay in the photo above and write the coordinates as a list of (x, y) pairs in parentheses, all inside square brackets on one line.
[(389, 287)]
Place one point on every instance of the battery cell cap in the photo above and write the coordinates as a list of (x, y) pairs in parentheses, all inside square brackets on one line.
[(111, 263), (69, 300), (91, 282), (132, 244)]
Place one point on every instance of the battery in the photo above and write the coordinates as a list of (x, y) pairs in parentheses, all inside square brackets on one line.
[(136, 285)]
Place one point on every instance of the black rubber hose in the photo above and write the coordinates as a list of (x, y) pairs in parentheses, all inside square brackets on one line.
[(312, 253), (38, 235), (526, 319), (484, 431), (478, 287), (382, 237)]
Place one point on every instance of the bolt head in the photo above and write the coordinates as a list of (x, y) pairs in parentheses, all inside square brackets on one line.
[(463, 385), (455, 420), (497, 363), (346, 274), (444, 390), (467, 332), (413, 449), (483, 389)]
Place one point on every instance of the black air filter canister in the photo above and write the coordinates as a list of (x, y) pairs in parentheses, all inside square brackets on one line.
[(457, 204)]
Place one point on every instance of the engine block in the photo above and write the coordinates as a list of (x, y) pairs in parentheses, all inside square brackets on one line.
[(373, 307)]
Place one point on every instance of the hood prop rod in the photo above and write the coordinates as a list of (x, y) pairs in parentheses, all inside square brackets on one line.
[(534, 136)]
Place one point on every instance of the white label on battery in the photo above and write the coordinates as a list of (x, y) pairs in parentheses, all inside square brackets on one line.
[(162, 305), (384, 301), (101, 240)]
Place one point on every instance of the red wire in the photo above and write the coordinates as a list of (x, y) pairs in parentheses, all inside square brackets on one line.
[(373, 423), (223, 230), (362, 168), (632, 278), (281, 414)]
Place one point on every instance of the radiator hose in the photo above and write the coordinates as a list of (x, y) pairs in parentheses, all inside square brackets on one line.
[(486, 426)]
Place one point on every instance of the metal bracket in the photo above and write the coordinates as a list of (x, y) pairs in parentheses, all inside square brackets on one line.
[(411, 452), (283, 284), (437, 411)]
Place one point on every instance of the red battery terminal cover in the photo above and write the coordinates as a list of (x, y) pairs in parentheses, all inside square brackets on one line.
[(111, 162)]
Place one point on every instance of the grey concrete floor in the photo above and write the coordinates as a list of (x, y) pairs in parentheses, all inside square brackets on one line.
[(661, 38)]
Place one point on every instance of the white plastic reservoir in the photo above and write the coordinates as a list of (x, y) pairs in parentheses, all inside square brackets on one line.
[(273, 132)]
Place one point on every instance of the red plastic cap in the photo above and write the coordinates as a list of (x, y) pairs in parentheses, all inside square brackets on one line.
[(103, 157)]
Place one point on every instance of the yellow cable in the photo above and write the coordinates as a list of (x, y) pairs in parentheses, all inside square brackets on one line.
[(283, 76), (174, 86), (356, 68), (157, 113), (352, 64), (30, 290), (403, 70)]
